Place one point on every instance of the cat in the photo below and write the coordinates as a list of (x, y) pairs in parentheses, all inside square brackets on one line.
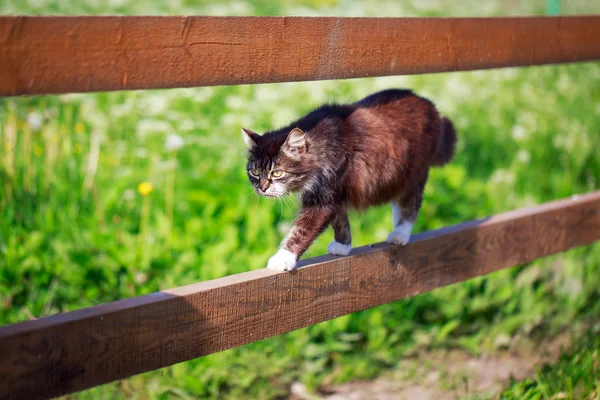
[(375, 151)]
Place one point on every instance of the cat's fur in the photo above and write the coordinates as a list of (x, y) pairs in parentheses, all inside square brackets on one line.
[(358, 155)]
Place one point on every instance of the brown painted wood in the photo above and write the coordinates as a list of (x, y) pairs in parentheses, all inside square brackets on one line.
[(40, 55), (80, 349)]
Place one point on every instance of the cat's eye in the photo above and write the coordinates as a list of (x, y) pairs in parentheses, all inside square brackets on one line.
[(254, 172), (277, 173)]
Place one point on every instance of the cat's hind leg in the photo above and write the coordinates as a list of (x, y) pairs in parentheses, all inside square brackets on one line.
[(404, 221), (404, 215), (342, 243)]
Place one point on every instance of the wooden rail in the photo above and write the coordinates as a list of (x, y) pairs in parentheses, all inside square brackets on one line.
[(80, 349), (40, 55)]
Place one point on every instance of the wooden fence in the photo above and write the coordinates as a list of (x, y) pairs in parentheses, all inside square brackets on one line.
[(76, 350)]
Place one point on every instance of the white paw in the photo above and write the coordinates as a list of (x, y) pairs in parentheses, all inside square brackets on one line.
[(338, 249), (283, 260), (401, 234)]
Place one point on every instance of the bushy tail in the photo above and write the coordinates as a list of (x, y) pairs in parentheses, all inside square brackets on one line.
[(446, 144)]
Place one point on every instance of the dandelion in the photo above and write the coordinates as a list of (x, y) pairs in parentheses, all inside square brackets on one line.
[(145, 188), (173, 142), (35, 120), (79, 128)]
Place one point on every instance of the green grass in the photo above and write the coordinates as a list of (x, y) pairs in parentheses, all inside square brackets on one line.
[(75, 231), (576, 375)]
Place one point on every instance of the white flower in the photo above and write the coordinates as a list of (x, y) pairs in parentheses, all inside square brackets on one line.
[(186, 125), (120, 110), (35, 121), (236, 102), (564, 83), (523, 156), (149, 126), (117, 3), (203, 94), (141, 152), (519, 132), (457, 85), (284, 227), (165, 165), (140, 277), (129, 194), (503, 176), (155, 104), (174, 142)]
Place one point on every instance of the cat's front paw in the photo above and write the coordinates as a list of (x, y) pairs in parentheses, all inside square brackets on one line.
[(283, 260), (401, 234), (338, 249)]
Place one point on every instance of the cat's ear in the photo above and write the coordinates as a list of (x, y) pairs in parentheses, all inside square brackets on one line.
[(250, 138), (295, 142)]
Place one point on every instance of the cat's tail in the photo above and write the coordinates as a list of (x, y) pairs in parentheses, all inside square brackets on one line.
[(446, 144)]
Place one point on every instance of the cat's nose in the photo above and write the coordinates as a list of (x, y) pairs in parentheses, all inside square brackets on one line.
[(264, 186)]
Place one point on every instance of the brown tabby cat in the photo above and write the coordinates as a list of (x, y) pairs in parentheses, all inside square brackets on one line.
[(375, 151)]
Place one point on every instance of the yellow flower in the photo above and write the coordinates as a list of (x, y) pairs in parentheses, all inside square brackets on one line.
[(38, 150), (79, 128), (77, 148), (145, 188)]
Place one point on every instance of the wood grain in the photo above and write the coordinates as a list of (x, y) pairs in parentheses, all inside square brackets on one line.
[(80, 349), (42, 55)]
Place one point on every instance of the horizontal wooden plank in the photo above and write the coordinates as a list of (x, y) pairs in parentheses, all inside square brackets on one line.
[(80, 349), (41, 55)]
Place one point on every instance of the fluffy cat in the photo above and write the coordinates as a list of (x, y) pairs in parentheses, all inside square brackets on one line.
[(377, 150)]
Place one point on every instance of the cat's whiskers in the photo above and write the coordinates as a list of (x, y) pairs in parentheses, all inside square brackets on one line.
[(256, 200), (251, 193), (287, 204), (281, 212)]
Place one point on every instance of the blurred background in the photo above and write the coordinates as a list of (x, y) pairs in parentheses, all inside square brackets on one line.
[(111, 195)]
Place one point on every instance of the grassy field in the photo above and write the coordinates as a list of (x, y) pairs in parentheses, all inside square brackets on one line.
[(574, 376), (96, 206)]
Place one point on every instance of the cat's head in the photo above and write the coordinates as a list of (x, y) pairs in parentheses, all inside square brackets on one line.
[(278, 164)]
